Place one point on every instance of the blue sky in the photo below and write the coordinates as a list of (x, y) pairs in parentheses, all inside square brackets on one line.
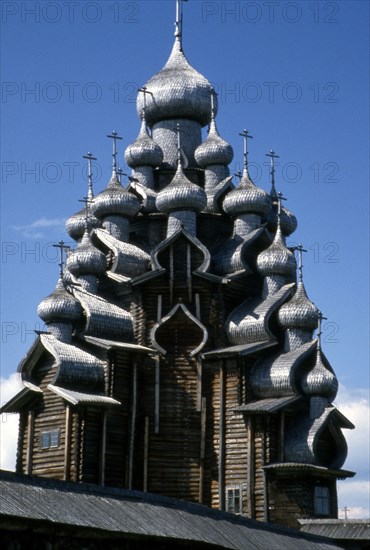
[(295, 74)]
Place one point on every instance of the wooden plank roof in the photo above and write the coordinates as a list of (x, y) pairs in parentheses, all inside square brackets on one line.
[(105, 512)]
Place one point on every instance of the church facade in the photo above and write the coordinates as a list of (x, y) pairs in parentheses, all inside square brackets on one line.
[(180, 355)]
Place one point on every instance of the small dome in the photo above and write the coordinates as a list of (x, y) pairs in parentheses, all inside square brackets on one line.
[(75, 225), (60, 305), (86, 259), (181, 194), (115, 200), (214, 150), (247, 197), (277, 258), (177, 91), (299, 312), (320, 381), (144, 151), (288, 221)]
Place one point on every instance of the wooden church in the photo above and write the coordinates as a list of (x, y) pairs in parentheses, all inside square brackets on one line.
[(179, 355)]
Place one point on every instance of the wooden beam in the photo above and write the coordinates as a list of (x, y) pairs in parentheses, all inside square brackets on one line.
[(172, 274), (157, 394), (188, 272), (199, 383), (250, 471), (30, 433), (67, 443), (203, 418), (221, 442), (132, 425), (281, 436), (146, 453), (103, 446)]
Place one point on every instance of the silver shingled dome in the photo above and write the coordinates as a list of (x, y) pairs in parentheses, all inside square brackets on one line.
[(144, 151), (181, 194), (320, 381), (214, 150), (299, 312), (59, 306), (115, 200), (247, 197), (277, 258), (86, 259), (177, 91)]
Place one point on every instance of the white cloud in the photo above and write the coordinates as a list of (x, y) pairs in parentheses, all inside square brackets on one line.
[(40, 228), (8, 424), (355, 493)]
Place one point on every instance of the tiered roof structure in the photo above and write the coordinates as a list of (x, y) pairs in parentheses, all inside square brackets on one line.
[(179, 354)]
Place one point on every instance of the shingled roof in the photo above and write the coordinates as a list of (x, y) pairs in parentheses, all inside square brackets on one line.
[(102, 513)]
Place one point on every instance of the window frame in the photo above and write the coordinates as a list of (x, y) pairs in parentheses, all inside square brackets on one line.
[(234, 494), (322, 500), (50, 439)]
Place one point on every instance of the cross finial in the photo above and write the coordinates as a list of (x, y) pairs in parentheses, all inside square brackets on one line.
[(144, 90), (279, 199), (87, 201), (245, 134), (120, 174), (178, 22), (319, 329), (62, 248), (272, 156), (239, 174), (90, 158), (213, 95), (178, 144), (114, 136), (300, 249)]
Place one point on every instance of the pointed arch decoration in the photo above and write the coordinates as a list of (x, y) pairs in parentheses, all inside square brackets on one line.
[(179, 308)]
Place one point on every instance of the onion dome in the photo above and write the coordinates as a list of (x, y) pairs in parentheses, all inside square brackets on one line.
[(288, 221), (76, 224), (86, 259), (214, 150), (60, 305), (177, 91), (247, 197), (181, 194), (144, 151), (277, 258), (299, 312), (115, 200), (320, 381)]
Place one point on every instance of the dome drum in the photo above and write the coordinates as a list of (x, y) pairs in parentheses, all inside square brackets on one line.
[(61, 331), (185, 219), (117, 226), (296, 337), (165, 135), (213, 175), (143, 175), (272, 283), (245, 224)]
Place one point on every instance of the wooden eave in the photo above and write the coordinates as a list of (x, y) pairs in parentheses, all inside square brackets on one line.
[(241, 350), (286, 469)]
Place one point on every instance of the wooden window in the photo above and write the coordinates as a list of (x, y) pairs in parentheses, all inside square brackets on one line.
[(50, 439), (322, 500), (234, 500)]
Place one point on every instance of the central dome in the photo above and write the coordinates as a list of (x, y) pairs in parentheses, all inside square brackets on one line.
[(177, 91)]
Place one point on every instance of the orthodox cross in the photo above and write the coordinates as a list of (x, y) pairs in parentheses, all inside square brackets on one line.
[(239, 174), (62, 248), (300, 249), (272, 156), (319, 330), (114, 136), (245, 134), (178, 22), (213, 94), (120, 174), (178, 144), (87, 201), (90, 158), (279, 199)]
